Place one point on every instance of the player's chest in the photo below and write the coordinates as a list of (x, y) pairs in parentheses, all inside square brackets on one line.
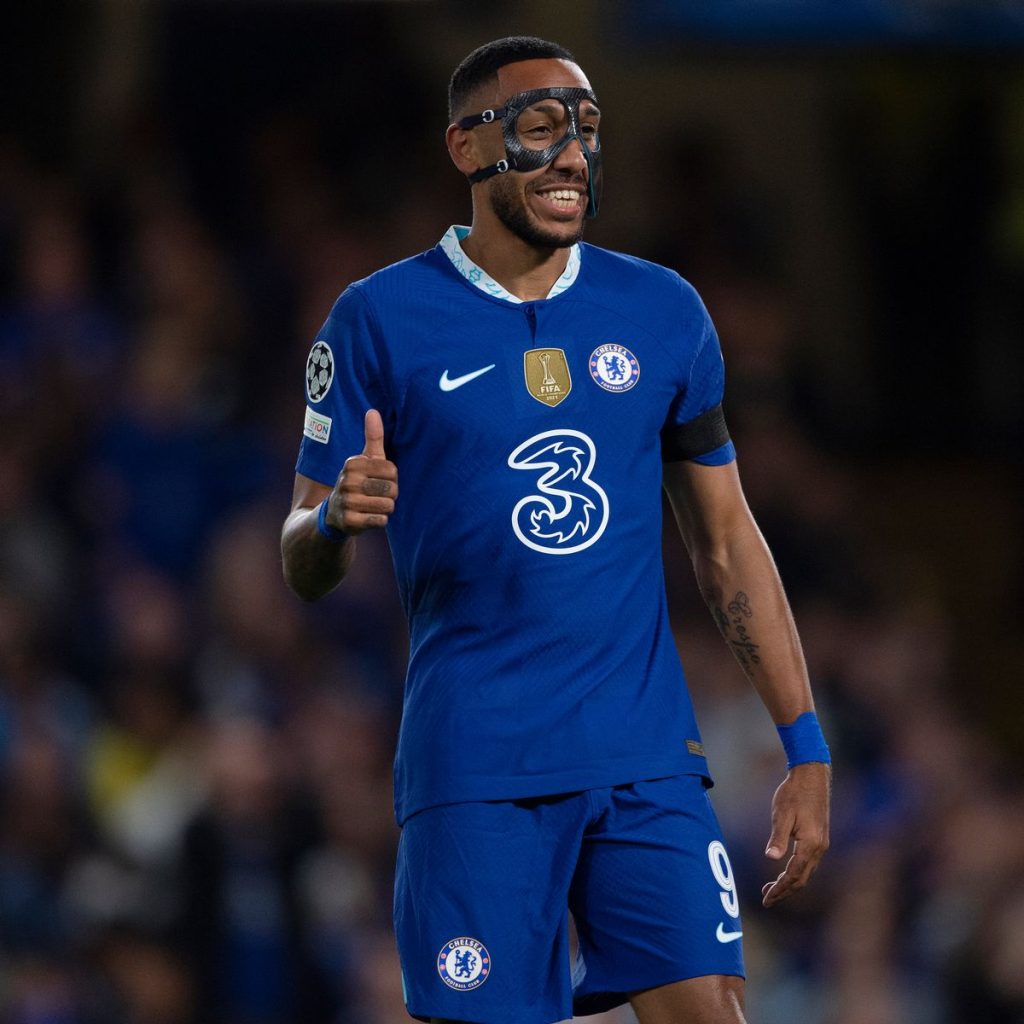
[(490, 379)]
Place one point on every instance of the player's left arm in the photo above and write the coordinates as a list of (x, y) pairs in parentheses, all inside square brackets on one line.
[(739, 582)]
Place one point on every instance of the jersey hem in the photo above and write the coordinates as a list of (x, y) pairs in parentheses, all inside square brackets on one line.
[(489, 787)]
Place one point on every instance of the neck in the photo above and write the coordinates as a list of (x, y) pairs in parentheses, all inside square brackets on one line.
[(528, 272)]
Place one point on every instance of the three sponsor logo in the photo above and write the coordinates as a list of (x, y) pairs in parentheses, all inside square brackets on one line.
[(569, 510)]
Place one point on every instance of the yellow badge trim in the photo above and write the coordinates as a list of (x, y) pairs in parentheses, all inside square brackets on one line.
[(546, 371)]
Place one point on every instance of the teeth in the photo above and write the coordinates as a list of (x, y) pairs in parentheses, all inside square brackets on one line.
[(562, 195)]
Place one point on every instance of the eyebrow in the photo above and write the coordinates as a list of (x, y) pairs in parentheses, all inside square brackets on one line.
[(545, 106), (550, 106)]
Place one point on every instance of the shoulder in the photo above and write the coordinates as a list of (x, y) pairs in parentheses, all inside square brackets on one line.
[(634, 275), (407, 276), (647, 292), (401, 296)]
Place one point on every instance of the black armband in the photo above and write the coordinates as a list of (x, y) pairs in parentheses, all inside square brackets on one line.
[(701, 435)]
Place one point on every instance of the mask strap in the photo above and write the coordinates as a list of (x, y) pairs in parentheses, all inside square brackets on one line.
[(488, 172), (591, 194), (484, 117)]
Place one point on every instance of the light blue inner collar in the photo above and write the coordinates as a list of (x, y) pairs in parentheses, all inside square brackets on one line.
[(451, 243)]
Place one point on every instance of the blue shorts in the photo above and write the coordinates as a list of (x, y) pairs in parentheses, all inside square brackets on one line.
[(483, 893)]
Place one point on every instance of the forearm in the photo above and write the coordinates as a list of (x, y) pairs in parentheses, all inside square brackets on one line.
[(738, 579), (313, 564), (317, 554), (741, 586)]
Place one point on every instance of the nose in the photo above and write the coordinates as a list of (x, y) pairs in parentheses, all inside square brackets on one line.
[(571, 158)]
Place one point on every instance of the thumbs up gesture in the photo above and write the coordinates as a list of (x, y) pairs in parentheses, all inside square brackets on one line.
[(367, 486)]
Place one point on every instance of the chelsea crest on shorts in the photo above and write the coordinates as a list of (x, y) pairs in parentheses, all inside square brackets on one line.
[(464, 964)]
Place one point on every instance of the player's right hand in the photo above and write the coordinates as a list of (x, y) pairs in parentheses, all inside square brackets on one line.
[(367, 486)]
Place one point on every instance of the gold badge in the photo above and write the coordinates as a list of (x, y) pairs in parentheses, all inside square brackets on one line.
[(547, 375)]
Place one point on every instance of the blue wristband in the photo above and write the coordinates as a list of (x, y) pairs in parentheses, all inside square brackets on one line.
[(325, 528), (804, 741)]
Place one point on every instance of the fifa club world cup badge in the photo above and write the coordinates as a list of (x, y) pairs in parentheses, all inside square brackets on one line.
[(464, 964), (614, 368), (547, 375)]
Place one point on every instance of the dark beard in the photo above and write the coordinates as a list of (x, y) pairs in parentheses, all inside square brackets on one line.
[(509, 207)]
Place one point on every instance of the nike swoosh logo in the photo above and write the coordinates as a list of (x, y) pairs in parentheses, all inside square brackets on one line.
[(457, 382), (723, 936)]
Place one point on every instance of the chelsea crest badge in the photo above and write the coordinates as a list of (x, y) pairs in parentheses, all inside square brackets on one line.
[(464, 964), (614, 368)]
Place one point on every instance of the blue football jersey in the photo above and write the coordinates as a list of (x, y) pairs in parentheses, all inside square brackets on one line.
[(527, 535)]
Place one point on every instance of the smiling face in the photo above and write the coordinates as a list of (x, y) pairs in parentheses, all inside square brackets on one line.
[(546, 207)]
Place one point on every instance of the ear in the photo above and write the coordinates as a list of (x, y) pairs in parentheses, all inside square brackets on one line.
[(462, 148)]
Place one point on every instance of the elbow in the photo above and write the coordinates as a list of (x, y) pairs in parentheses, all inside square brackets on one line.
[(311, 566), (296, 584), (309, 582), (305, 594), (302, 584), (305, 590)]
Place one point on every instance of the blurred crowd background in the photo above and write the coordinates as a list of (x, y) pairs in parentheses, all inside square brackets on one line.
[(195, 792)]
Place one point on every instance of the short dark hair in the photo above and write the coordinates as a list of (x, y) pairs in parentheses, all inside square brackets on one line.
[(483, 63)]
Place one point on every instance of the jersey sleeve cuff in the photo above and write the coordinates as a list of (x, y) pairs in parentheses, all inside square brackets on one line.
[(721, 456)]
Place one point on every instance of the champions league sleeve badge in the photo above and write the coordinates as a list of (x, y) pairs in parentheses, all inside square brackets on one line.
[(464, 964), (614, 368), (319, 371)]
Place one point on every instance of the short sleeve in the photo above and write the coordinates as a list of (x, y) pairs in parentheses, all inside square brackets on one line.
[(695, 427), (343, 378)]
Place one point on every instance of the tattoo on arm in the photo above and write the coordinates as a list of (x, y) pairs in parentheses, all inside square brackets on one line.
[(734, 624)]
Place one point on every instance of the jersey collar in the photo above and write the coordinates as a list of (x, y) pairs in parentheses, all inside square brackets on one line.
[(451, 243)]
